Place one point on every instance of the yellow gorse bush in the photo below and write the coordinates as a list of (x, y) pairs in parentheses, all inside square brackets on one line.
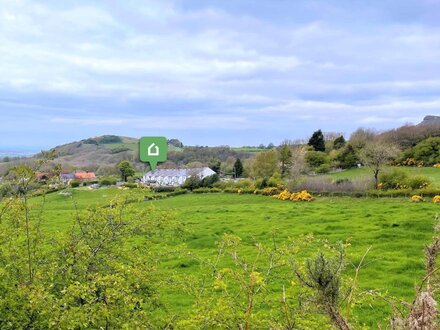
[(436, 199), (302, 196), (416, 199), (437, 165), (284, 195)]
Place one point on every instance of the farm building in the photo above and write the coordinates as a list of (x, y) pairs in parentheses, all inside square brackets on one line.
[(85, 176), (175, 177), (66, 177)]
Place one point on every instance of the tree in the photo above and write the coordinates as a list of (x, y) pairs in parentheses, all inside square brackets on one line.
[(238, 168), (316, 158), (361, 137), (270, 146), (347, 157), (376, 155), (285, 158), (265, 164), (126, 170), (428, 151), (215, 165), (339, 142), (317, 141)]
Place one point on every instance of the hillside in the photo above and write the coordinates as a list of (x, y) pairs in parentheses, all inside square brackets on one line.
[(431, 120), (102, 153)]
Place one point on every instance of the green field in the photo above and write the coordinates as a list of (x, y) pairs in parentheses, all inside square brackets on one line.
[(395, 229), (431, 172)]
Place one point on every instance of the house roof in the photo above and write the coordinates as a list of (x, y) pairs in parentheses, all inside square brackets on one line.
[(85, 176), (67, 175), (179, 171)]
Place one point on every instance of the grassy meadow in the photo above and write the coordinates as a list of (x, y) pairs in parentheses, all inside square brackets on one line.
[(430, 172), (395, 229)]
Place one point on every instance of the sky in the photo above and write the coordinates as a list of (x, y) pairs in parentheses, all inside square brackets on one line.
[(229, 72)]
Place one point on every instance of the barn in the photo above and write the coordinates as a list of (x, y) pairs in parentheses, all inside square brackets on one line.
[(175, 177)]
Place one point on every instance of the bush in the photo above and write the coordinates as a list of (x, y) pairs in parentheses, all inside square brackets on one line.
[(323, 185), (323, 169), (130, 185), (275, 180), (436, 199), (302, 196), (206, 190), (261, 183), (394, 179), (74, 183), (160, 189), (418, 182), (178, 191), (108, 181), (316, 158), (416, 199), (209, 181), (243, 184)]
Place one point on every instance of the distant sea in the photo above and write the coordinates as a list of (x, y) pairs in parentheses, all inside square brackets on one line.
[(17, 153)]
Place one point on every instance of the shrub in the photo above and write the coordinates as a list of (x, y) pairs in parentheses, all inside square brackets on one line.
[(394, 179), (316, 158), (261, 183), (436, 199), (163, 189), (108, 181), (177, 192), (418, 182), (416, 199), (270, 191), (323, 169), (245, 183), (130, 185), (323, 185), (247, 190), (74, 183), (302, 196), (275, 180), (284, 195), (206, 190)]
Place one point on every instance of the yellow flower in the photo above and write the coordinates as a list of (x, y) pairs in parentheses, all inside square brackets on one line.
[(436, 199), (416, 199)]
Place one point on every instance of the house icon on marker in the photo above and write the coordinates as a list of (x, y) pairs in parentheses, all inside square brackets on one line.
[(153, 150)]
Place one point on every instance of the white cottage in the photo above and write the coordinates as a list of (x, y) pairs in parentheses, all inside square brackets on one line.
[(175, 177)]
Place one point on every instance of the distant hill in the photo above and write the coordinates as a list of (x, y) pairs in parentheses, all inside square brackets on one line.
[(103, 153), (431, 120)]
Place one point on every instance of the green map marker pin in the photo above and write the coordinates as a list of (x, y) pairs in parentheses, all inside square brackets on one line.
[(153, 149)]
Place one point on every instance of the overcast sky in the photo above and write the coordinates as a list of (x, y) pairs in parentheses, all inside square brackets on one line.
[(237, 72)]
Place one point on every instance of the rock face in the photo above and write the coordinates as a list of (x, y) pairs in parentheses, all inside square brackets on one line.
[(431, 120)]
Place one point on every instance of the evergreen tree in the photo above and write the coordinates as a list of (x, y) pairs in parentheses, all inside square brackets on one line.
[(317, 141), (339, 142), (238, 168)]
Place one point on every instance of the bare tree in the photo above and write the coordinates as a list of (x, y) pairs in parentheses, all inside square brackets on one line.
[(376, 155)]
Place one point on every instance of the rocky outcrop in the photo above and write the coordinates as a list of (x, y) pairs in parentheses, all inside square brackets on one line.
[(431, 120)]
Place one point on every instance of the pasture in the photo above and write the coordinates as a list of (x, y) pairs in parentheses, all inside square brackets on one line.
[(395, 229)]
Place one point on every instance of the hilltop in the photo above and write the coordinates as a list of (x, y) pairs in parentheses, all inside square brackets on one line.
[(102, 153), (431, 120)]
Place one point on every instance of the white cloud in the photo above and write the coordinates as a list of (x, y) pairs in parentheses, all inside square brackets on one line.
[(245, 66)]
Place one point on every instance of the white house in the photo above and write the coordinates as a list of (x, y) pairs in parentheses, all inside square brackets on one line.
[(175, 177)]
